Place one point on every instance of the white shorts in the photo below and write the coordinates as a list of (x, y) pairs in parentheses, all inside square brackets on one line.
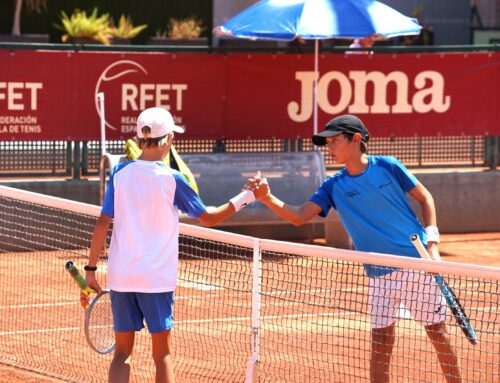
[(414, 290)]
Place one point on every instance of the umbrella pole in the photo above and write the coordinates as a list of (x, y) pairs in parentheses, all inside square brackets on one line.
[(315, 90)]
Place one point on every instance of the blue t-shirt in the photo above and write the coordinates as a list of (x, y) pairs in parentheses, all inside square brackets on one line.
[(374, 208)]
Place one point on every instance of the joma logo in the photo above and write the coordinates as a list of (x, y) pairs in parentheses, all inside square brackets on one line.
[(428, 96)]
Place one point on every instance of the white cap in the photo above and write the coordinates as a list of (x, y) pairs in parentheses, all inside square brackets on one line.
[(159, 120)]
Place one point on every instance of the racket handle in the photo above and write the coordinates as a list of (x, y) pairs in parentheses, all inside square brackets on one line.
[(80, 281), (415, 239)]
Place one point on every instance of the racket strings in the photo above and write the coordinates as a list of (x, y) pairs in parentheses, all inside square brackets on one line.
[(99, 324)]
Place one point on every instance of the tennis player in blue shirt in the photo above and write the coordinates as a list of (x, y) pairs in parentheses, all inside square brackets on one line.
[(143, 198), (369, 194)]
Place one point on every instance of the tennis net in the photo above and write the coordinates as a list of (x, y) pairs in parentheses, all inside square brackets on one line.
[(301, 311)]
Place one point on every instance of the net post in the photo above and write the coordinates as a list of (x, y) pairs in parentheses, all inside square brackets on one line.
[(100, 99), (252, 373)]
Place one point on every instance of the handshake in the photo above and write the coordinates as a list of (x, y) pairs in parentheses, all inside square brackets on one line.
[(256, 188)]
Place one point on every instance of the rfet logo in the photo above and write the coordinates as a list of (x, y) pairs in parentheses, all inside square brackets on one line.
[(125, 84)]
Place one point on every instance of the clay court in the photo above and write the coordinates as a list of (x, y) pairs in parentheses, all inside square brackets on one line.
[(282, 333)]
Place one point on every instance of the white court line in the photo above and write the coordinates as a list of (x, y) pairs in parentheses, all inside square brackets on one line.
[(37, 305), (344, 290), (225, 320), (267, 317), (215, 295), (21, 332), (191, 321), (184, 297), (271, 293), (203, 286)]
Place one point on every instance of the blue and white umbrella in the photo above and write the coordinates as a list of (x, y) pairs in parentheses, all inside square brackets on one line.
[(316, 20)]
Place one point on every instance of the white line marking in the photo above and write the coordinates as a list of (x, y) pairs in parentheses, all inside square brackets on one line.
[(225, 320), (20, 332), (267, 317), (37, 305), (203, 286)]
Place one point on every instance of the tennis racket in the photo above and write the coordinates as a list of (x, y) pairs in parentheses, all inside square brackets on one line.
[(99, 331), (448, 293)]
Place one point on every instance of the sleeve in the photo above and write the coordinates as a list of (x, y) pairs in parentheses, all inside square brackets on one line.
[(186, 199), (323, 197), (108, 205), (406, 180)]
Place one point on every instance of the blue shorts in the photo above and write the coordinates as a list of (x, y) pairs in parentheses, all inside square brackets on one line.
[(130, 310)]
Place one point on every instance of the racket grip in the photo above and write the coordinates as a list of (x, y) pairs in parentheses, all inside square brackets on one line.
[(80, 281), (415, 239)]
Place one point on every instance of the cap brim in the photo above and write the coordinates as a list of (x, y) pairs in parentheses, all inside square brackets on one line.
[(178, 129), (320, 138)]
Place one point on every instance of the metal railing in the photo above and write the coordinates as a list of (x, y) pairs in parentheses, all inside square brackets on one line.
[(76, 159), (37, 158), (332, 46)]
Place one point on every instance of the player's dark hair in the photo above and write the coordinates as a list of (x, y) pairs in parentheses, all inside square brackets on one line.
[(150, 142), (363, 146)]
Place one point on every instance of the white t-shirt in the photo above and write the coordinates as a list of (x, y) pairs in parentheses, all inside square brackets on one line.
[(144, 197)]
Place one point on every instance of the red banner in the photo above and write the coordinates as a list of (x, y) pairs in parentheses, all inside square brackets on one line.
[(51, 95)]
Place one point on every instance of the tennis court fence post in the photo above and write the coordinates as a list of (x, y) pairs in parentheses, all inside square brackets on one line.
[(77, 160), (252, 373), (492, 151)]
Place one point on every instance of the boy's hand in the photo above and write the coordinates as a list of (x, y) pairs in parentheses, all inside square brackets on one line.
[(258, 186), (433, 250), (93, 284)]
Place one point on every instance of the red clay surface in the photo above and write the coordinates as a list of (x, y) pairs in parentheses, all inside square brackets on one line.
[(477, 248)]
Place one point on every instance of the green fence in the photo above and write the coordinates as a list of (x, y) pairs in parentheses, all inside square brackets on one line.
[(76, 159)]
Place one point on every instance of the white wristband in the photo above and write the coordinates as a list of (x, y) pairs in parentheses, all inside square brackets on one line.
[(432, 233), (246, 197)]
